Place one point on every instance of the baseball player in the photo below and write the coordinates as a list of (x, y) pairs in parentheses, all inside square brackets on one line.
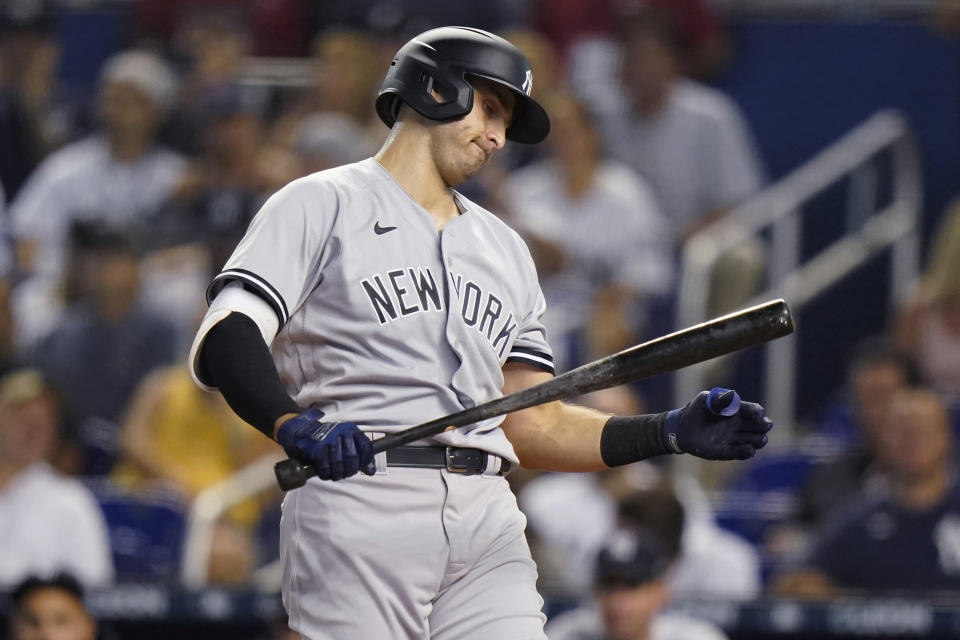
[(370, 297)]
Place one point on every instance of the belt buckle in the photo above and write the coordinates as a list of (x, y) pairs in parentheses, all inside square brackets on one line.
[(458, 460)]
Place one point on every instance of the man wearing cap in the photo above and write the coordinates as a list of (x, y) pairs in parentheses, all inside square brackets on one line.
[(632, 592), (50, 522)]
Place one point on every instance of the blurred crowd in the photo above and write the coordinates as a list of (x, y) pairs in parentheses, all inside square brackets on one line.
[(119, 205)]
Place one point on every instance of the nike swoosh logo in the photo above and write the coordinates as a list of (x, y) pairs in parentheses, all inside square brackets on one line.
[(377, 229)]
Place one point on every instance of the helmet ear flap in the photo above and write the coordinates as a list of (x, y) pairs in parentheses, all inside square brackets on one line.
[(393, 104)]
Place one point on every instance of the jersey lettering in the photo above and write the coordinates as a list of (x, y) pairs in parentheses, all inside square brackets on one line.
[(404, 292), (471, 304), (381, 301), (504, 334), (401, 292), (489, 313), (474, 299), (411, 290), (425, 290)]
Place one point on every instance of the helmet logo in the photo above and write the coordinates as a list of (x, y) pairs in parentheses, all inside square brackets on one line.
[(528, 82)]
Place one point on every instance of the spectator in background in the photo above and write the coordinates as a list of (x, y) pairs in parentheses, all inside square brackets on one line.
[(875, 373), (118, 176), (571, 515), (236, 173), (277, 27), (632, 588), (598, 238), (212, 205), (928, 327), (329, 139), (167, 417), (705, 47), (908, 539), (50, 522), (37, 112), (103, 346), (214, 43), (9, 358), (50, 609), (689, 142), (348, 67)]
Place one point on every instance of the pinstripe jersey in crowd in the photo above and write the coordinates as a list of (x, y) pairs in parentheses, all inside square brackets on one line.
[(384, 321)]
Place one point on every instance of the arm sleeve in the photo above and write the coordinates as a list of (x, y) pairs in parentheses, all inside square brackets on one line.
[(233, 297), (236, 359)]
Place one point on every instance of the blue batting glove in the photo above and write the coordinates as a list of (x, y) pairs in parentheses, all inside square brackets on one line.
[(337, 450), (716, 425)]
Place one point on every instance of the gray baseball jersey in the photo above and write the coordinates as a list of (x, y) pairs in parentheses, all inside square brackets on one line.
[(385, 321)]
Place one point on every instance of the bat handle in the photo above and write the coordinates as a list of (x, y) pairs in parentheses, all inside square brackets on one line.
[(293, 474)]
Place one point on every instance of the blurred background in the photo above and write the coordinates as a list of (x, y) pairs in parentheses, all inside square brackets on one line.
[(705, 155)]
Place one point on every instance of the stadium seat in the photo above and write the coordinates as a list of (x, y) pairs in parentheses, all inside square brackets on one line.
[(146, 531)]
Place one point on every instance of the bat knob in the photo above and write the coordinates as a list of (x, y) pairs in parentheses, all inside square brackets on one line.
[(292, 474)]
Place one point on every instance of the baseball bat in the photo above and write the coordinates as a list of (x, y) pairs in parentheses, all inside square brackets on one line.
[(717, 337)]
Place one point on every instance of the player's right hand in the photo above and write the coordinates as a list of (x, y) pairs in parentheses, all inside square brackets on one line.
[(337, 450)]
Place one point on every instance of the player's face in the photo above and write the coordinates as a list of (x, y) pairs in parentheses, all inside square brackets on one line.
[(50, 614), (461, 148)]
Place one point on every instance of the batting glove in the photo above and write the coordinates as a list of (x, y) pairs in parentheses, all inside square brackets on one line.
[(337, 450), (716, 425)]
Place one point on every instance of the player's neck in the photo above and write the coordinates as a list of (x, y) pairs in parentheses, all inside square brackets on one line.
[(406, 158)]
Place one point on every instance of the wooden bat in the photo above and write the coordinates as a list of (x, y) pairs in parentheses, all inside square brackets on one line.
[(717, 337)]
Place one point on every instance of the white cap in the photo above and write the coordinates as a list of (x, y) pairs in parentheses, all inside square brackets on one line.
[(145, 71)]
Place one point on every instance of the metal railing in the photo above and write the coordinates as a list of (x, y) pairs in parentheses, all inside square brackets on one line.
[(779, 207), (209, 506)]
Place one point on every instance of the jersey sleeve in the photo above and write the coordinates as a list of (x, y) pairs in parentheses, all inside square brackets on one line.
[(281, 256), (531, 346)]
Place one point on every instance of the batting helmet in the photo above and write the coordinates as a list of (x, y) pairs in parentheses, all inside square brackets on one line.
[(444, 60)]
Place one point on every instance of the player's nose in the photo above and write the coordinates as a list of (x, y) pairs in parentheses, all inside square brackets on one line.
[(495, 136)]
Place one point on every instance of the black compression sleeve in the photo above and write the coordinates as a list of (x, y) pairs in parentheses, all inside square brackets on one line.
[(627, 439), (236, 360)]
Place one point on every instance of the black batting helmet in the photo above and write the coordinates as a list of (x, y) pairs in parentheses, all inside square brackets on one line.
[(443, 60)]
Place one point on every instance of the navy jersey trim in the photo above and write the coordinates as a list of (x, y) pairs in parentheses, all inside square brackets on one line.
[(538, 359), (255, 283)]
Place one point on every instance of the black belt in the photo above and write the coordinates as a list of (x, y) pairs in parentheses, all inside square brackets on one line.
[(470, 462)]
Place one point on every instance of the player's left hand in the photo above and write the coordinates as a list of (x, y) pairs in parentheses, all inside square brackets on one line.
[(337, 450), (716, 425)]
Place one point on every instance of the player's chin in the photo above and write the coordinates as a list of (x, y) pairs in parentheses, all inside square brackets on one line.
[(462, 173)]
